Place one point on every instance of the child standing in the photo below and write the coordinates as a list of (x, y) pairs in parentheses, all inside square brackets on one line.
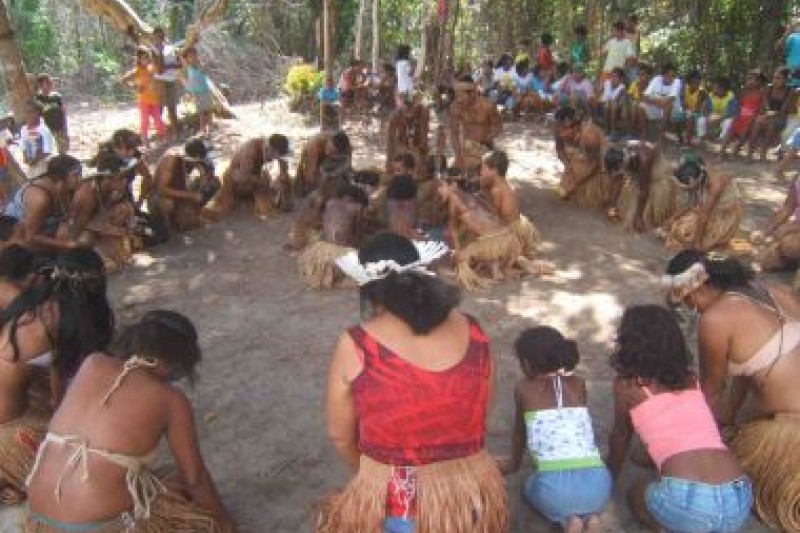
[(199, 88), (571, 485), (53, 111), (141, 78), (38, 143), (330, 104)]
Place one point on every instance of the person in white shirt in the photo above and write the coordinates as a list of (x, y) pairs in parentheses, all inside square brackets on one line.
[(404, 73), (611, 102), (168, 65), (662, 98), (38, 142), (619, 51), (504, 83), (581, 90)]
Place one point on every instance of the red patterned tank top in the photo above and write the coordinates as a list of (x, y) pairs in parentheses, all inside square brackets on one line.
[(410, 416)]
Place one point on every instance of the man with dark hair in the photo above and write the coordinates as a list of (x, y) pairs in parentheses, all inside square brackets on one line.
[(185, 183), (53, 111), (313, 155), (258, 170), (619, 51), (407, 131), (401, 207), (580, 146), (475, 123)]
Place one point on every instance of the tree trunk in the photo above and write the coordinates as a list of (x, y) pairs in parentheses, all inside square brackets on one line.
[(376, 41), (362, 9), (125, 19), (13, 66), (326, 52)]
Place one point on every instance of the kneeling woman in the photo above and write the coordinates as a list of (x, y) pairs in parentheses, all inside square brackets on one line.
[(408, 394), (92, 470), (701, 486)]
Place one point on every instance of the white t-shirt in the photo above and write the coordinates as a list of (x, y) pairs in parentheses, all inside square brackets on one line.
[(405, 79), (171, 64), (582, 89), (36, 141), (506, 79), (618, 51), (659, 89), (610, 93), (523, 82)]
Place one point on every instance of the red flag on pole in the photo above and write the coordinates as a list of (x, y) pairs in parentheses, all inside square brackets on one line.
[(444, 10)]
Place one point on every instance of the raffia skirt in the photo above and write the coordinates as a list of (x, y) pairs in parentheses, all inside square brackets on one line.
[(169, 513), (20, 438), (455, 496), (317, 264), (501, 247), (594, 192), (769, 451), (660, 204), (722, 226), (527, 235)]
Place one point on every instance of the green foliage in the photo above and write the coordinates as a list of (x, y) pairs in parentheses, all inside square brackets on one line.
[(38, 34), (303, 80)]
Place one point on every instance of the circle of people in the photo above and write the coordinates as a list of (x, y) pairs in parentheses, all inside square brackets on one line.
[(410, 387)]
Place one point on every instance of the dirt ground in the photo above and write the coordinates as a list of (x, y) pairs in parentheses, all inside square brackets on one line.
[(267, 340)]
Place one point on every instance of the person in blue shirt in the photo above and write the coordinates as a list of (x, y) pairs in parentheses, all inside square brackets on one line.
[(789, 45), (199, 88), (329, 101)]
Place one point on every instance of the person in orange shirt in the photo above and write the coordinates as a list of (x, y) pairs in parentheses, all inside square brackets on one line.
[(147, 96)]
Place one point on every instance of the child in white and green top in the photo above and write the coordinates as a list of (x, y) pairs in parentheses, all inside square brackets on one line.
[(571, 484)]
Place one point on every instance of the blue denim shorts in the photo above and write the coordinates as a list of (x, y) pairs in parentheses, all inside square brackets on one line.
[(564, 494), (683, 506), (395, 524)]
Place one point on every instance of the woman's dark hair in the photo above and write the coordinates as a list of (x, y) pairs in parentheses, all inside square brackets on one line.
[(279, 143), (163, 335), (61, 166), (341, 142), (403, 52), (371, 178), (505, 61), (689, 172), (17, 262), (75, 281), (614, 159), (522, 66), (407, 160), (545, 350), (401, 187), (125, 138), (724, 273), (356, 194), (421, 301), (108, 162), (651, 347)]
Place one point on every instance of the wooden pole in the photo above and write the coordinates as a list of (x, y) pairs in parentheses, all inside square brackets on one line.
[(362, 5), (376, 24), (327, 59)]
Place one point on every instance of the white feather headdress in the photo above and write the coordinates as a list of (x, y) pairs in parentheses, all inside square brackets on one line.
[(680, 285), (429, 251)]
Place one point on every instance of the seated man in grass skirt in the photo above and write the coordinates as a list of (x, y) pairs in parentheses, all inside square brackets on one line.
[(407, 132), (341, 233), (314, 153), (257, 171), (475, 123), (580, 145)]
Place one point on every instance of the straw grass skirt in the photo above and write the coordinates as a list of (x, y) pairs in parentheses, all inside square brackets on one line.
[(769, 451), (527, 235), (593, 192), (722, 226), (169, 513), (660, 205), (497, 250), (455, 496), (20, 438), (317, 264)]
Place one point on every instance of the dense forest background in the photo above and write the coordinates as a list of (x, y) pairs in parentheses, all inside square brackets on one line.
[(250, 48)]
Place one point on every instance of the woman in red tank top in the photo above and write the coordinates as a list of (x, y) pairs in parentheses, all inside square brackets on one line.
[(408, 395)]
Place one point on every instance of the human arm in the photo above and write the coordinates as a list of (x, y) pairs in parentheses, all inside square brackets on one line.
[(511, 464), (785, 212), (455, 135), (495, 123), (593, 155), (717, 184), (621, 432), (146, 186), (713, 347), (163, 178), (341, 409), (182, 438), (80, 211), (37, 207)]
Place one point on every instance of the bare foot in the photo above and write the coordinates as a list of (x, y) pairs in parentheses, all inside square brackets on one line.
[(593, 524), (575, 525)]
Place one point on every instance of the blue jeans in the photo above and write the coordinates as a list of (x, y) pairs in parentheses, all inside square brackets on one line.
[(684, 506), (395, 524), (561, 495)]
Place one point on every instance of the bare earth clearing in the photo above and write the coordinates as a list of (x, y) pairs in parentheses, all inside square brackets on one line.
[(267, 339)]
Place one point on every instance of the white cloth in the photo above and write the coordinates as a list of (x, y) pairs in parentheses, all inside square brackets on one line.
[(505, 78), (583, 90), (171, 65), (523, 82), (610, 93), (617, 52), (36, 141), (405, 78), (659, 89)]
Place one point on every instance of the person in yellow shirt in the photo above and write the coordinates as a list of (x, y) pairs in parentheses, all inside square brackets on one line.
[(693, 100), (719, 111), (634, 95), (147, 95)]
